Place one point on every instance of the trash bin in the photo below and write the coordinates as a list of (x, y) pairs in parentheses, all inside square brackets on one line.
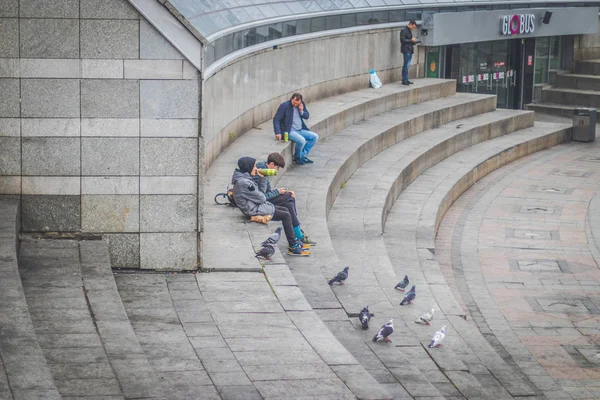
[(584, 124)]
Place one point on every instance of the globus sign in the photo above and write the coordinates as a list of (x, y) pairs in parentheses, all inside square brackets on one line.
[(517, 24)]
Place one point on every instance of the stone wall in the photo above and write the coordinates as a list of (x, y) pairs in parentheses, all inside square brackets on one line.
[(586, 47), (247, 92), (99, 129)]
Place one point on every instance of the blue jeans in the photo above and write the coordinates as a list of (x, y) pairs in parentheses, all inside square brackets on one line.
[(407, 58), (305, 140)]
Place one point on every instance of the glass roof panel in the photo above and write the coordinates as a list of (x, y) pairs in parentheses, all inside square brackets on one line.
[(211, 16)]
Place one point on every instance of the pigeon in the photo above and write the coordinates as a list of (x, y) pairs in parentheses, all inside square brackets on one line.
[(340, 277), (402, 284), (409, 297), (274, 238), (266, 252), (436, 340), (385, 332), (364, 317), (426, 318)]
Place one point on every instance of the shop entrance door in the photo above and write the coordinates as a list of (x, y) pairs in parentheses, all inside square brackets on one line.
[(487, 68)]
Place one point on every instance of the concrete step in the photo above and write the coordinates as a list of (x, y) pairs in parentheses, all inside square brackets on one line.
[(136, 376), (52, 280), (552, 109), (571, 97), (587, 67), (577, 81), (414, 219), (24, 371)]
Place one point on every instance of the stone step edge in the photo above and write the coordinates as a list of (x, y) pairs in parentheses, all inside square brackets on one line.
[(124, 352), (418, 160), (17, 335)]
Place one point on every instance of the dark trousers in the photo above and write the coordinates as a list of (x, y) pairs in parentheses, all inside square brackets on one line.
[(282, 214), (286, 200)]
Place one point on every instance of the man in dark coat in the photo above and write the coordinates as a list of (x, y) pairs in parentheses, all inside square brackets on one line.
[(290, 118), (407, 40)]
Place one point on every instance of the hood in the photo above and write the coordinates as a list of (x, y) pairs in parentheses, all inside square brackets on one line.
[(237, 175)]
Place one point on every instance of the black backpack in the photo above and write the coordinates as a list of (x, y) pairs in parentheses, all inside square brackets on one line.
[(226, 199)]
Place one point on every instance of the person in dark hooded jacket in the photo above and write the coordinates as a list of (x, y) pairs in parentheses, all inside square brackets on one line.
[(250, 198)]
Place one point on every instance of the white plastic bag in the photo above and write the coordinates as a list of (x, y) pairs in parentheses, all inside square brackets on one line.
[(374, 80)]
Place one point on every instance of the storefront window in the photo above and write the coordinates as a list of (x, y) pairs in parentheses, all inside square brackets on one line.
[(556, 50), (548, 56), (542, 46), (487, 68)]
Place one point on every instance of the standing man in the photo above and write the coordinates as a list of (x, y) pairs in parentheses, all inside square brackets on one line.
[(406, 47), (290, 118)]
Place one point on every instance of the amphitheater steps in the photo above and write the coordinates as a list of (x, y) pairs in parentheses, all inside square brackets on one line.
[(346, 151), (355, 224), (24, 372), (413, 221)]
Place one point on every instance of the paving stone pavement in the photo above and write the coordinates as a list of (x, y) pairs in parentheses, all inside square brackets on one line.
[(521, 247)]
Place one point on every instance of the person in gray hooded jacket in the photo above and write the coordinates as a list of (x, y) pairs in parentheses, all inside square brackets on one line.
[(250, 198)]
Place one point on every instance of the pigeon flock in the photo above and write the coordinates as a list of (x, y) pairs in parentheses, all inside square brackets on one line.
[(386, 330), (268, 250)]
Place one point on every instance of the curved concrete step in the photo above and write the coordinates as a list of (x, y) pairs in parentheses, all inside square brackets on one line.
[(356, 236), (413, 222), (328, 116), (136, 376), (24, 372)]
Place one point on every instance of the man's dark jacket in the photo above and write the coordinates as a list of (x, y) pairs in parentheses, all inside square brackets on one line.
[(406, 40), (284, 117)]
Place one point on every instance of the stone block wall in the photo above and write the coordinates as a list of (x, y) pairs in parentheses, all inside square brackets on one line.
[(99, 129), (586, 47), (247, 92)]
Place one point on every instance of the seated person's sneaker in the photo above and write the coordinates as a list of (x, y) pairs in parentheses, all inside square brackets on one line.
[(302, 244), (297, 250), (307, 160)]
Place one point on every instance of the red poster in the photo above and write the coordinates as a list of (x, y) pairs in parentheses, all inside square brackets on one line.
[(529, 60)]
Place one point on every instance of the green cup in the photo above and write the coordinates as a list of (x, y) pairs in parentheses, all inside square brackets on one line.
[(268, 171)]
